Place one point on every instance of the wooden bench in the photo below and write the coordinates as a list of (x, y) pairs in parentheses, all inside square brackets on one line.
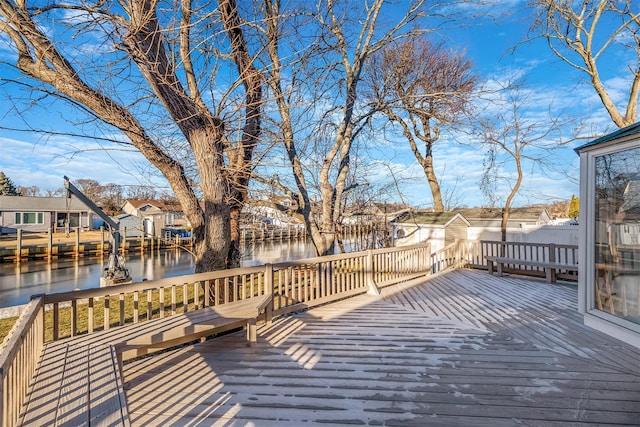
[(78, 381), (550, 268), (159, 334)]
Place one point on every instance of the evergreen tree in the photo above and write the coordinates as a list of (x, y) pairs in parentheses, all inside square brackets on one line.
[(574, 207), (6, 186)]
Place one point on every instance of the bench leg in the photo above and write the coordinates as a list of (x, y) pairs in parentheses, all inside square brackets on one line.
[(490, 266), (499, 267), (252, 332)]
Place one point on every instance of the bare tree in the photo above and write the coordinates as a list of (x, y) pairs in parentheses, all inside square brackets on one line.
[(317, 98), (90, 188), (147, 82), (514, 138), (422, 87), (32, 191), (575, 34), (54, 192), (141, 192)]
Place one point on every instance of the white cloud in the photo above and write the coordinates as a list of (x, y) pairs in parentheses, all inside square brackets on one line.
[(45, 164)]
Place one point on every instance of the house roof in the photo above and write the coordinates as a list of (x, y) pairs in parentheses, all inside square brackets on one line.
[(40, 204), (528, 213), (620, 133), (163, 206), (128, 218), (428, 218)]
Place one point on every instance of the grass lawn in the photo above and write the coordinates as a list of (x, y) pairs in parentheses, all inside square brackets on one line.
[(131, 308)]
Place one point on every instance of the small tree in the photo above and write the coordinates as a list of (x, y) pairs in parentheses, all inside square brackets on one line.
[(6, 186), (512, 137), (574, 207), (422, 87)]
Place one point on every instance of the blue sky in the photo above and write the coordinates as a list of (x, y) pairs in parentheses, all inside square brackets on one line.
[(31, 159)]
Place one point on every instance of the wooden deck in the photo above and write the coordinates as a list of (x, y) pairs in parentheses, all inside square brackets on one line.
[(461, 349)]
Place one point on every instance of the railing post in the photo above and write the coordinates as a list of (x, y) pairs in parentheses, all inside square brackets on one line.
[(373, 289), (101, 240), (268, 290), (77, 250), (19, 246), (49, 244)]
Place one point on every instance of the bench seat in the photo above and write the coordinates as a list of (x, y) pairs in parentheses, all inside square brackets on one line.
[(550, 268), (78, 381)]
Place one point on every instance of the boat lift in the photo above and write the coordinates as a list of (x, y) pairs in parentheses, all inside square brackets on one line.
[(116, 273)]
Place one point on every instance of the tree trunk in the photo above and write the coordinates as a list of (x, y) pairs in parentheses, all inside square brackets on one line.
[(212, 229), (240, 157), (438, 205), (512, 194), (233, 260)]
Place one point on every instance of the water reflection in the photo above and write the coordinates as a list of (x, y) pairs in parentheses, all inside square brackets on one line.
[(19, 281)]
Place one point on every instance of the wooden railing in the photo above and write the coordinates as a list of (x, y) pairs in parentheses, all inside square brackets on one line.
[(18, 359), (295, 285), (402, 263), (451, 256), (90, 310), (477, 251)]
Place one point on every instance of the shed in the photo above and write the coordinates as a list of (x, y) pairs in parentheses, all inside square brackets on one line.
[(609, 275), (440, 228), (130, 225)]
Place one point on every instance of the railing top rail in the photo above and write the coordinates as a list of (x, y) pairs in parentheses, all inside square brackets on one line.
[(149, 284), (401, 248), (317, 260), (27, 317)]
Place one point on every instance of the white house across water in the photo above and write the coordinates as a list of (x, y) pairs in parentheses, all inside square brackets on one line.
[(609, 286)]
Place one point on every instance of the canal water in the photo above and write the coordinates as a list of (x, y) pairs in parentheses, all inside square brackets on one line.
[(19, 281)]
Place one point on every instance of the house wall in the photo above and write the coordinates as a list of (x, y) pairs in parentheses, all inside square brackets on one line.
[(440, 237), (131, 226), (558, 234), (158, 221), (415, 235), (457, 229), (8, 223)]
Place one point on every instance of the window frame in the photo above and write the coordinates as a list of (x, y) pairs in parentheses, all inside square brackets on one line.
[(19, 218)]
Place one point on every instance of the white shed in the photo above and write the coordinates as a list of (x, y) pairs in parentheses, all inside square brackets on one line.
[(439, 228)]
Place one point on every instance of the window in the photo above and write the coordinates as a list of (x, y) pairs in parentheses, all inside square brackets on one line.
[(617, 227), (28, 218), (72, 218)]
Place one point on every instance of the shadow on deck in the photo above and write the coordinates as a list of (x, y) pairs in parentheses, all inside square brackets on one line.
[(462, 348)]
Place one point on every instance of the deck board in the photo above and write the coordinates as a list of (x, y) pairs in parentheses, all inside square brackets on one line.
[(464, 348)]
